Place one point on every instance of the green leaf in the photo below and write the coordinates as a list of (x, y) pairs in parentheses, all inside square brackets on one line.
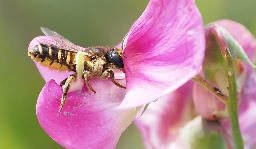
[(235, 48)]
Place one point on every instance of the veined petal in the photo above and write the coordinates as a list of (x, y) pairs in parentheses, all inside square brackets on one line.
[(88, 120), (163, 50), (161, 122), (172, 123)]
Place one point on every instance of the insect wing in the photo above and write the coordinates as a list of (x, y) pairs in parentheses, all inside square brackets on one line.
[(65, 43), (49, 32)]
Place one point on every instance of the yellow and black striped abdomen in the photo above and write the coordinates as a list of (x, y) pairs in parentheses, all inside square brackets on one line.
[(54, 58)]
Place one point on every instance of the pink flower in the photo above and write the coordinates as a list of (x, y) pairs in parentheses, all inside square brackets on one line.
[(163, 50), (172, 121), (163, 119), (247, 93), (214, 68)]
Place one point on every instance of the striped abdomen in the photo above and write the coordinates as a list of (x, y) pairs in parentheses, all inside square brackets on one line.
[(54, 58)]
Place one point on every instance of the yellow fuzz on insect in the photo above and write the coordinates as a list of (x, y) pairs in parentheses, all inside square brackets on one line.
[(80, 63)]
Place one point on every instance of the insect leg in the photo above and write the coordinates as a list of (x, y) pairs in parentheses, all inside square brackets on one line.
[(87, 81), (112, 77), (63, 82), (66, 86)]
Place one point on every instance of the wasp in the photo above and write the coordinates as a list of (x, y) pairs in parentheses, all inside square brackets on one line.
[(92, 62)]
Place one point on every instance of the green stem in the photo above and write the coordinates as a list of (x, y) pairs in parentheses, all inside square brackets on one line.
[(232, 103), (211, 87)]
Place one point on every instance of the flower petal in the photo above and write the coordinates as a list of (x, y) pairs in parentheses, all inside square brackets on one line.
[(248, 124), (162, 120), (88, 120), (164, 49), (171, 123), (209, 106)]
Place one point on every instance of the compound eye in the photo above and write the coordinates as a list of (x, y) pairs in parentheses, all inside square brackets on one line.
[(115, 58)]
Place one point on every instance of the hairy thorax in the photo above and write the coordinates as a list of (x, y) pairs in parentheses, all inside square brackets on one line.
[(95, 67)]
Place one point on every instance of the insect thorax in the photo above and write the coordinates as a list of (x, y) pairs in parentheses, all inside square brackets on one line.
[(95, 61)]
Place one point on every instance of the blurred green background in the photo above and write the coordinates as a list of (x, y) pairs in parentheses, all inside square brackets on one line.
[(86, 23)]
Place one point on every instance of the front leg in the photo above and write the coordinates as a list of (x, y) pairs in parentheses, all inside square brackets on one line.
[(87, 81), (110, 73)]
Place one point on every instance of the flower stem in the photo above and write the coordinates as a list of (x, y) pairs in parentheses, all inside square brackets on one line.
[(211, 87), (232, 103)]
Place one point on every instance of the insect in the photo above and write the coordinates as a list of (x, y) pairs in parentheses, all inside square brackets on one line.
[(93, 62)]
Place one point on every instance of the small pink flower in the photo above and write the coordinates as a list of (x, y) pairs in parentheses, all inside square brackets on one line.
[(163, 50), (172, 121), (207, 104), (160, 125), (247, 93)]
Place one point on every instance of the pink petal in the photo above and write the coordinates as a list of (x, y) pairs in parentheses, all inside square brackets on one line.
[(162, 120), (88, 120), (247, 109), (164, 49), (248, 124), (208, 105), (172, 123)]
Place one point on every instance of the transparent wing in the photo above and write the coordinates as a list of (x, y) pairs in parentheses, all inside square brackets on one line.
[(60, 41), (49, 32)]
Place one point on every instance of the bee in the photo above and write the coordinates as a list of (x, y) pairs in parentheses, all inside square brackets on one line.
[(92, 62)]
